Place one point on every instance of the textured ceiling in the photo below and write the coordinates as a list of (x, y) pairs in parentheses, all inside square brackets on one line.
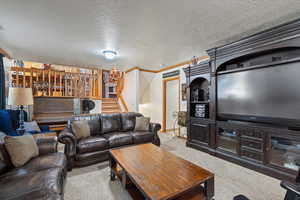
[(144, 32)]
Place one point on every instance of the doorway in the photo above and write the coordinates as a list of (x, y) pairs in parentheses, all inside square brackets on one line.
[(171, 103)]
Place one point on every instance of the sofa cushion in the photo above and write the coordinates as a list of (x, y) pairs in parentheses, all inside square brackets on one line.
[(91, 158), (42, 184), (140, 137), (95, 127), (117, 139), (47, 161), (110, 122), (128, 120), (53, 160), (91, 144), (21, 149), (83, 117)]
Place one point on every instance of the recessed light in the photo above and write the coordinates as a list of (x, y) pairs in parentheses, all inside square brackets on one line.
[(109, 54)]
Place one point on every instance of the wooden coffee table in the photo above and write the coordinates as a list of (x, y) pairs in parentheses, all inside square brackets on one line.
[(149, 172)]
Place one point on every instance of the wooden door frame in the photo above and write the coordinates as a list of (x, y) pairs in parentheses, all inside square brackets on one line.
[(165, 81)]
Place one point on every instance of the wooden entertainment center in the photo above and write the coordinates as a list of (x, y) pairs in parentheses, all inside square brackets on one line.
[(268, 146)]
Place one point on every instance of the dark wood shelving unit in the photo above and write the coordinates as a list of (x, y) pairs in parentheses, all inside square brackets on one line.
[(199, 101), (240, 69), (269, 148)]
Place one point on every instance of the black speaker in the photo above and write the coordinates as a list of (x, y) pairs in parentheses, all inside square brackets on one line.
[(87, 105)]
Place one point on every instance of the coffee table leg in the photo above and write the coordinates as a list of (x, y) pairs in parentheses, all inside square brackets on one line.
[(113, 167), (124, 176), (210, 188)]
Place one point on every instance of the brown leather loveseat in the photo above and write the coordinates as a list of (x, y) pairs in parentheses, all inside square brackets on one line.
[(107, 131), (42, 177)]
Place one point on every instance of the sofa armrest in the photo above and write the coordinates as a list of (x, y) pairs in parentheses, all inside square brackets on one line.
[(154, 128), (47, 145), (67, 137), (69, 140), (291, 187)]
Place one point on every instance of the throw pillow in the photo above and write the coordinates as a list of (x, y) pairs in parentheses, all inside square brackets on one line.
[(81, 129), (5, 123), (21, 149), (142, 124), (32, 127)]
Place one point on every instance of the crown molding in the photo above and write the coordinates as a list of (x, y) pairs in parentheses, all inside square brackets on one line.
[(3, 52), (201, 58)]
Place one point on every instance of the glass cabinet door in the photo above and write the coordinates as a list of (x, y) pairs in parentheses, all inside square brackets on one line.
[(284, 152), (228, 140)]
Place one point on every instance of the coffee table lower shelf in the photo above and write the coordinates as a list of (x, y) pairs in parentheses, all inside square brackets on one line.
[(196, 193)]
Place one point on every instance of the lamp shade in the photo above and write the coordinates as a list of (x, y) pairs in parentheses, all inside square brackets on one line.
[(20, 96)]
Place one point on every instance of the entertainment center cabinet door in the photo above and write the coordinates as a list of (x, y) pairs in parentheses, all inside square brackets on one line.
[(200, 133), (284, 152), (228, 140)]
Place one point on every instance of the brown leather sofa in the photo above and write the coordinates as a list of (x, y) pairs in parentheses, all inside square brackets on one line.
[(42, 177), (107, 131)]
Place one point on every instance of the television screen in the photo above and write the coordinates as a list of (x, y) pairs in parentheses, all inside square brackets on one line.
[(263, 93)]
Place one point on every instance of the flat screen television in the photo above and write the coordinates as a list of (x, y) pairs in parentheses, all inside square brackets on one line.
[(267, 95)]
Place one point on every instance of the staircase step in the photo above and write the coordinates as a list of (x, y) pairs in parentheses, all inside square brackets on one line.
[(111, 111), (109, 100), (110, 107), (109, 103)]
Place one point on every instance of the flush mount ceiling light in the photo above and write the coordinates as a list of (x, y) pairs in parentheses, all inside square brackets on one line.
[(109, 54)]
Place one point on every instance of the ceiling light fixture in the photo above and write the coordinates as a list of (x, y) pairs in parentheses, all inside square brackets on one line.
[(109, 54)]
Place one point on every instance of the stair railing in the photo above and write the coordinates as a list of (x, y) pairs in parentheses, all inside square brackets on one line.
[(119, 90)]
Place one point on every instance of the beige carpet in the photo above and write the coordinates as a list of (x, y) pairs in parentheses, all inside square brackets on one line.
[(93, 183)]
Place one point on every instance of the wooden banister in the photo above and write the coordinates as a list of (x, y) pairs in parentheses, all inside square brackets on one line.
[(120, 87)]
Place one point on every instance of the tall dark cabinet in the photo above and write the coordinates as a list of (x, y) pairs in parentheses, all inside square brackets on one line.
[(201, 123), (267, 146)]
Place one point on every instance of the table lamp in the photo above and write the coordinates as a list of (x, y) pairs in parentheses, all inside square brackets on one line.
[(20, 97)]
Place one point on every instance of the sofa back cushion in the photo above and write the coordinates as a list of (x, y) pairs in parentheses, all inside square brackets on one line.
[(128, 120), (111, 122), (94, 122)]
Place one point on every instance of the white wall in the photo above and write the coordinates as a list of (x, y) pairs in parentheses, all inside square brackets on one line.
[(172, 99), (156, 96), (145, 95), (131, 90), (156, 93)]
